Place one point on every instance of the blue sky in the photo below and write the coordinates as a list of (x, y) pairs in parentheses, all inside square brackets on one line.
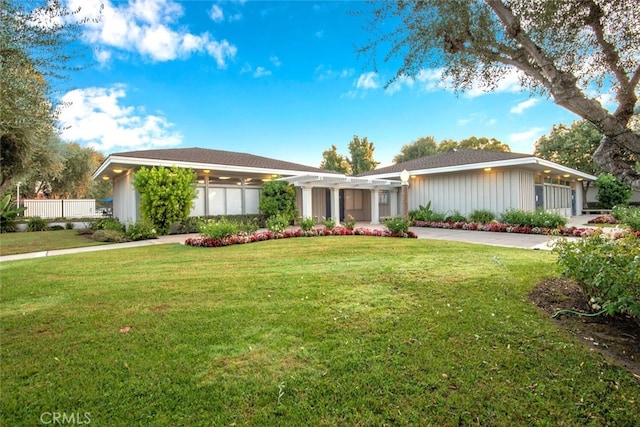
[(279, 79)]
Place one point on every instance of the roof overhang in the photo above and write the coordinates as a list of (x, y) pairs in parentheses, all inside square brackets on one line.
[(115, 166), (535, 164)]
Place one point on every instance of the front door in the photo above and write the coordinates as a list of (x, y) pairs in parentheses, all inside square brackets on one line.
[(539, 197)]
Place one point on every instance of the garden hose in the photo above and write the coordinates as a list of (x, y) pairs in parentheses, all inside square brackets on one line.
[(579, 313)]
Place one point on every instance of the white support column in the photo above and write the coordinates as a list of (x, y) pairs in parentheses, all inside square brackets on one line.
[(393, 201), (335, 204), (307, 202), (375, 206)]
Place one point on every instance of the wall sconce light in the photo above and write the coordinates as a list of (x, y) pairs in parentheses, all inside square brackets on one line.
[(404, 176)]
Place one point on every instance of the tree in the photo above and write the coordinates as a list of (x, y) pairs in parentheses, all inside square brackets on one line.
[(34, 48), (572, 147), (612, 192), (361, 151), (333, 161), (166, 195), (278, 198), (421, 147), (559, 48), (483, 143)]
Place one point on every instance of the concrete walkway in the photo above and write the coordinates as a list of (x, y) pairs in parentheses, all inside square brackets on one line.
[(526, 241)]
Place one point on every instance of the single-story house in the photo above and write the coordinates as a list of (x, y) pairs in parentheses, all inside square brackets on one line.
[(229, 183)]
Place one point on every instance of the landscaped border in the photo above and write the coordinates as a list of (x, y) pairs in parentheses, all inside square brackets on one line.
[(508, 228), (242, 238)]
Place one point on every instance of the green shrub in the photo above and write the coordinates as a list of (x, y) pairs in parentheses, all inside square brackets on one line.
[(105, 235), (278, 223), (278, 198), (69, 226), (539, 218), (350, 222), (189, 225), (424, 213), (8, 214), (481, 216), (218, 229), (612, 192), (456, 216), (108, 224), (307, 223), (329, 223), (141, 230), (56, 227), (166, 195), (37, 224), (397, 224), (630, 216), (607, 270)]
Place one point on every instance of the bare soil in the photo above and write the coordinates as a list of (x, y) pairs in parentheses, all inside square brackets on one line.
[(617, 338)]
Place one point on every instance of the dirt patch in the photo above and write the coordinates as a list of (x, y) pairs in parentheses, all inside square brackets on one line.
[(617, 337)]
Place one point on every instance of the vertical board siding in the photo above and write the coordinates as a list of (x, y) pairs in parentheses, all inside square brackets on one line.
[(496, 191)]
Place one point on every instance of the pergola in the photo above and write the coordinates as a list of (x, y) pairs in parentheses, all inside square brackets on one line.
[(335, 183)]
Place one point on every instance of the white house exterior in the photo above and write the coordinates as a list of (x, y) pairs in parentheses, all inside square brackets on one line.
[(229, 183), (467, 180)]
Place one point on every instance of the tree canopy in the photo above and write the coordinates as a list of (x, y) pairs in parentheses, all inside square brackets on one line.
[(35, 47), (360, 160), (427, 146), (572, 50), (571, 146), (361, 151), (421, 147), (333, 161)]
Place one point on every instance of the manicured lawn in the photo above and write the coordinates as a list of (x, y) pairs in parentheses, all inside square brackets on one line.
[(24, 242), (307, 331)]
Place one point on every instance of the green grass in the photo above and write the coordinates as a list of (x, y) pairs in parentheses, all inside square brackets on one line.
[(317, 331), (24, 242)]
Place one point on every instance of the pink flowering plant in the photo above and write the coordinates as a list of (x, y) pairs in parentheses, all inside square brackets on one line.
[(259, 236)]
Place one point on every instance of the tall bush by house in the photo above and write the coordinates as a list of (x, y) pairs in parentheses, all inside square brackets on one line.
[(278, 198), (612, 192), (166, 195)]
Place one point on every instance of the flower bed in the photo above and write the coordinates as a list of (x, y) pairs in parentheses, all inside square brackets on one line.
[(243, 238), (507, 228)]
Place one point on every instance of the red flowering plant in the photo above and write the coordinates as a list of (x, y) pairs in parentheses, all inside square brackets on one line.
[(242, 238)]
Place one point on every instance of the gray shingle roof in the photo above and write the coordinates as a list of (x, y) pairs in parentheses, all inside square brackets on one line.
[(450, 158), (218, 157)]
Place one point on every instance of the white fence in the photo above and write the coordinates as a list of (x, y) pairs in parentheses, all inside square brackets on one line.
[(59, 208)]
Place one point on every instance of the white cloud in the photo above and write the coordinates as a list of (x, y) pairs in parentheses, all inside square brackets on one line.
[(149, 28), (399, 83), (524, 105), (275, 61), (319, 34), (527, 137), (510, 83), (368, 81), (261, 72), (324, 73), (95, 117), (216, 14)]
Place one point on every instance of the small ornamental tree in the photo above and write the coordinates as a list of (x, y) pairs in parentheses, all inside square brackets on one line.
[(278, 197), (166, 195), (612, 192)]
